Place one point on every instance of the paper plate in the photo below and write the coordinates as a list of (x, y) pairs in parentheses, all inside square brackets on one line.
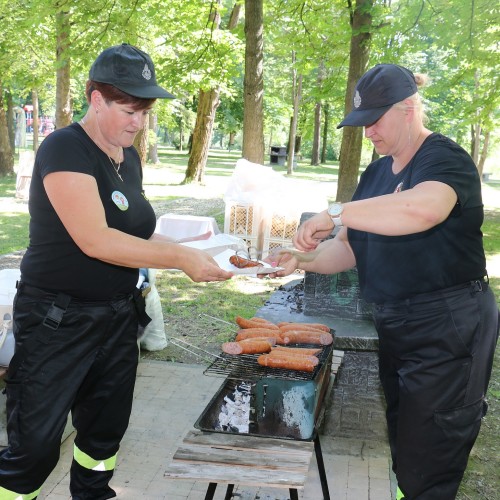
[(223, 260)]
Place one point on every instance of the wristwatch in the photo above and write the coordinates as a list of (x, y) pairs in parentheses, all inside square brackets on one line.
[(335, 211)]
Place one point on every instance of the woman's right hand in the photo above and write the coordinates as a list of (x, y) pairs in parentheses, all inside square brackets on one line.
[(200, 266)]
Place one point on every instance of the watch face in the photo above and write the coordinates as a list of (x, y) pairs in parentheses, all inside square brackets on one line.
[(335, 209)]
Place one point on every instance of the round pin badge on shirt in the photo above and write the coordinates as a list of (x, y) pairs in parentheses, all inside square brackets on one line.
[(119, 200)]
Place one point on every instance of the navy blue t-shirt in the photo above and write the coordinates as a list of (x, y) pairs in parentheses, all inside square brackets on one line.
[(53, 261), (392, 268)]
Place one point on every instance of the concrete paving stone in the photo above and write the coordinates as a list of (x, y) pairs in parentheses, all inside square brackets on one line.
[(380, 484), (380, 495), (379, 472), (357, 494)]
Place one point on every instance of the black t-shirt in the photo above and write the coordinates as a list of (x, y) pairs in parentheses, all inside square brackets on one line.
[(53, 261), (397, 267)]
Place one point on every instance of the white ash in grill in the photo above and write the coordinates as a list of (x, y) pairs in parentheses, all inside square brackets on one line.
[(234, 414)]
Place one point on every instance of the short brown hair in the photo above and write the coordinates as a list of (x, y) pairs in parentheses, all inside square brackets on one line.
[(112, 94)]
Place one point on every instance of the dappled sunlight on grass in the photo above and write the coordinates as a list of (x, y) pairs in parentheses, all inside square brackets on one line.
[(14, 232), (240, 295), (491, 242)]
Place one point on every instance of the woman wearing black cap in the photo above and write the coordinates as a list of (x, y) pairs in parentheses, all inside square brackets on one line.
[(413, 229), (78, 310)]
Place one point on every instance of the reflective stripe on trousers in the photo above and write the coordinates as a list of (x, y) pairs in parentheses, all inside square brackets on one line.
[(12, 495)]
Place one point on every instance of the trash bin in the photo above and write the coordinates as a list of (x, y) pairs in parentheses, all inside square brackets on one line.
[(278, 155)]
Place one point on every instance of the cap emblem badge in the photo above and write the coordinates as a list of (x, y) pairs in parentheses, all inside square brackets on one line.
[(146, 72), (357, 100)]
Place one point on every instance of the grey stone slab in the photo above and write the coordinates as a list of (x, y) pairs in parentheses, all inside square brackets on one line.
[(287, 304)]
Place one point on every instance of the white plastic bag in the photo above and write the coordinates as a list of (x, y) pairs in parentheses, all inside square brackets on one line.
[(154, 338)]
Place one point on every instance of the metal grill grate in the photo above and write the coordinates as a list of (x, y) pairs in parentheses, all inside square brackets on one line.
[(245, 366)]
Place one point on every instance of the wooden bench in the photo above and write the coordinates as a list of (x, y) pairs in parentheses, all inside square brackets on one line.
[(245, 460)]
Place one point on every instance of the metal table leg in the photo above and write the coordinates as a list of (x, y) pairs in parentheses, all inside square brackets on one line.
[(229, 492), (321, 468), (211, 491)]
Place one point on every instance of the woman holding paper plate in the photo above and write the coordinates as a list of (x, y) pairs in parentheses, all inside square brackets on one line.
[(77, 311)]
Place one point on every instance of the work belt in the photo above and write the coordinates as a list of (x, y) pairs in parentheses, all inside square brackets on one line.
[(475, 286), (57, 309)]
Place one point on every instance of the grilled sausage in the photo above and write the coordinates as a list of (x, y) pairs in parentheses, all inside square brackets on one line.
[(249, 346), (285, 326), (247, 333), (242, 263), (306, 337), (254, 323), (296, 328), (287, 363), (311, 351), (292, 355), (271, 340)]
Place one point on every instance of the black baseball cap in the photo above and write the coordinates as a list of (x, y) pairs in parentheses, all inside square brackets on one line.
[(376, 91), (129, 69)]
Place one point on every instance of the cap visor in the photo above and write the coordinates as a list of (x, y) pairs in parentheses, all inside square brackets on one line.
[(146, 92), (363, 117)]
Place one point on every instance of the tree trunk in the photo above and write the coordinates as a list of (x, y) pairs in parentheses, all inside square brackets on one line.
[(316, 134), (34, 100), (326, 126), (484, 154), (64, 114), (181, 135), (202, 135), (232, 136), (235, 17), (315, 154), (201, 138), (350, 150), (476, 142), (296, 95), (153, 144), (10, 122), (6, 153), (253, 84)]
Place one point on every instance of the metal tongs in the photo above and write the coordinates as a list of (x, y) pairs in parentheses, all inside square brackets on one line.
[(299, 254), (182, 344)]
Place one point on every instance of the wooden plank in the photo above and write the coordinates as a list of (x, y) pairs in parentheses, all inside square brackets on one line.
[(224, 474), (226, 440), (240, 457), (244, 460)]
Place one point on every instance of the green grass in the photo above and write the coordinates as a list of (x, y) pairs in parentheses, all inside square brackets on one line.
[(184, 300), (13, 232), (7, 186)]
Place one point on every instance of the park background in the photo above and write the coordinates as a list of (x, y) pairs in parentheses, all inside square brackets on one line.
[(250, 76)]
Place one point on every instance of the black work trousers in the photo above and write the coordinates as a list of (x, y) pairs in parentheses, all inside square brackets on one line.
[(86, 364), (436, 355)]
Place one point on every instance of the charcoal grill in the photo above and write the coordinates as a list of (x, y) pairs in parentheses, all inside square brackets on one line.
[(283, 404)]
